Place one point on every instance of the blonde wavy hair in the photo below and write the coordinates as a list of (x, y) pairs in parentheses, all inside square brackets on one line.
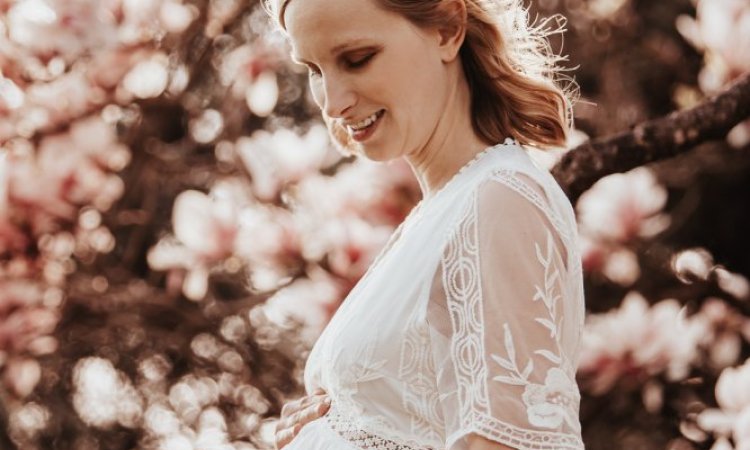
[(514, 77)]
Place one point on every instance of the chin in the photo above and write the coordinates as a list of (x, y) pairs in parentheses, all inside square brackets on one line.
[(375, 155)]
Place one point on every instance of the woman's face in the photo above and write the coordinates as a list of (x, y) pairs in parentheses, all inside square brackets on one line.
[(364, 63)]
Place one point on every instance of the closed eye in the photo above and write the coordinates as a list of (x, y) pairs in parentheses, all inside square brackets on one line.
[(361, 62), (314, 72)]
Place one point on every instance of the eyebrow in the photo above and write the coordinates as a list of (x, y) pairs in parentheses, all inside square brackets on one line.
[(336, 49)]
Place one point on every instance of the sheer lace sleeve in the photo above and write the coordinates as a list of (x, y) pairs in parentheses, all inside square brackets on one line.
[(501, 341)]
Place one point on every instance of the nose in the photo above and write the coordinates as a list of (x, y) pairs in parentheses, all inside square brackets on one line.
[(338, 97)]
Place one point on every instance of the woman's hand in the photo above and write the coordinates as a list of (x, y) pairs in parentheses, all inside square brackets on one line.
[(295, 414)]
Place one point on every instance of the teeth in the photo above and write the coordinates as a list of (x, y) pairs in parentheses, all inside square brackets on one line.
[(364, 123)]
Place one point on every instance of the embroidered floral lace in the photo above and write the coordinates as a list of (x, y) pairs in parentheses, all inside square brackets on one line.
[(468, 323)]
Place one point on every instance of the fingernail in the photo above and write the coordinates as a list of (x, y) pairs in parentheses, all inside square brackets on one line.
[(327, 401)]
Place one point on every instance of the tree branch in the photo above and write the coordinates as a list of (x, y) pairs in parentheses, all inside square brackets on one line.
[(653, 140)]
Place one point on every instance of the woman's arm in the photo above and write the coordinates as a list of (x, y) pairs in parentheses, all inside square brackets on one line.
[(505, 321)]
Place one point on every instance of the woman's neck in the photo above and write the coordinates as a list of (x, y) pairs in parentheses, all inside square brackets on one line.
[(452, 144)]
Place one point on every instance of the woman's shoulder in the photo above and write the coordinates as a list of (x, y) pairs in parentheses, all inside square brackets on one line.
[(511, 172), (510, 165), (501, 170)]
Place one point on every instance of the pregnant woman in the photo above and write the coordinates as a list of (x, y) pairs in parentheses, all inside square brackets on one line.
[(464, 333)]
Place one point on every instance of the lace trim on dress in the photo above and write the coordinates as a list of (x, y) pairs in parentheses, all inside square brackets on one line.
[(519, 438), (364, 439), (462, 283), (509, 178)]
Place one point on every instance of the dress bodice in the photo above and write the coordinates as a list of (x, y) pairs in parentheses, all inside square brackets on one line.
[(468, 321)]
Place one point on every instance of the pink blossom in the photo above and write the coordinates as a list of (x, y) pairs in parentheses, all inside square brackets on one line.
[(29, 420), (722, 30), (623, 206), (733, 415), (310, 302), (210, 229), (205, 229), (42, 109), (692, 264), (638, 339), (11, 238), (22, 376), (613, 260), (622, 266), (722, 444), (352, 245), (268, 237), (382, 193), (593, 253), (68, 171), (11, 96), (363, 203), (724, 334), (147, 78), (107, 69), (250, 72), (733, 388), (277, 159), (377, 192), (335, 229), (23, 315), (64, 27), (741, 430), (262, 94), (245, 65), (219, 13), (175, 17), (206, 225), (317, 198), (145, 20), (104, 396)]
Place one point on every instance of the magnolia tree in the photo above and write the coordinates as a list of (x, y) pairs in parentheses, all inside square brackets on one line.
[(176, 227)]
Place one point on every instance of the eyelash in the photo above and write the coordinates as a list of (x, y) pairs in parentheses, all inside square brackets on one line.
[(352, 65)]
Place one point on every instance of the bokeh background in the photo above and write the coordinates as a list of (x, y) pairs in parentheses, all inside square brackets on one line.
[(176, 227)]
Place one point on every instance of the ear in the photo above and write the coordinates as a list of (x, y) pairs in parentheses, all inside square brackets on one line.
[(452, 34)]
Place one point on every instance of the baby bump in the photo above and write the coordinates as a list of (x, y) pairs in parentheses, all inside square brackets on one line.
[(318, 435)]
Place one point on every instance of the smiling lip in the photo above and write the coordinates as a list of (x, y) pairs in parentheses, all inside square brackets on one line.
[(364, 134)]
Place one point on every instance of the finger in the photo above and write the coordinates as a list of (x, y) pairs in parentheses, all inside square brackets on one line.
[(298, 419), (303, 402), (313, 412), (324, 405), (288, 420), (313, 400), (290, 425), (318, 400), (293, 406), (284, 437)]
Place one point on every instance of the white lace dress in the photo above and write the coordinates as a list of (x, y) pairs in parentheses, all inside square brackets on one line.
[(469, 321)]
